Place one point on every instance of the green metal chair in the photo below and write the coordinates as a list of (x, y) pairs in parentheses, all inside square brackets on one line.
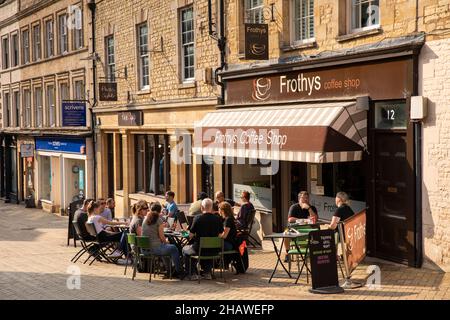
[(209, 243), (302, 253), (131, 241), (142, 244), (231, 252)]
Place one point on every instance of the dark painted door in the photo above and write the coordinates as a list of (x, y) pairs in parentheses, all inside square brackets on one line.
[(393, 198)]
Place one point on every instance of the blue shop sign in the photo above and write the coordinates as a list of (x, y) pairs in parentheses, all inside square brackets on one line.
[(74, 114), (61, 145)]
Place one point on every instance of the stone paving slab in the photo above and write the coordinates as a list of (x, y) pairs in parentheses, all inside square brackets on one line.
[(34, 262)]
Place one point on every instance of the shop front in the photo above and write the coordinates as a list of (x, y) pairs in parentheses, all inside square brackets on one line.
[(63, 169), (10, 184), (324, 128)]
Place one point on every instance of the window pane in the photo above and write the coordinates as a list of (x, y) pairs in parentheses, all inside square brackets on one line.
[(140, 163), (151, 163), (187, 38), (390, 115)]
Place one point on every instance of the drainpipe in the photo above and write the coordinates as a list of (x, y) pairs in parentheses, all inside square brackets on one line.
[(92, 6), (221, 43)]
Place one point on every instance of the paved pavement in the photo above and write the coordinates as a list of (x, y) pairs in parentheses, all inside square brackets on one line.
[(35, 264)]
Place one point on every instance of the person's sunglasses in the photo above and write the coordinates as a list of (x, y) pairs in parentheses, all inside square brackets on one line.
[(145, 208)]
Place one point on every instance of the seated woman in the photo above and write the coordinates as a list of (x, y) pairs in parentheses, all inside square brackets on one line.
[(106, 236), (140, 210), (343, 211), (229, 226), (153, 227)]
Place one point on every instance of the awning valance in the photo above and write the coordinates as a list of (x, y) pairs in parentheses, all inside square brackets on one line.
[(314, 132)]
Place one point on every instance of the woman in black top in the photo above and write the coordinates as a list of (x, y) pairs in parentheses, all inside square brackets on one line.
[(229, 226), (343, 211)]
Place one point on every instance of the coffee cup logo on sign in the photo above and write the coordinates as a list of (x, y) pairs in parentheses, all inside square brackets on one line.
[(261, 89)]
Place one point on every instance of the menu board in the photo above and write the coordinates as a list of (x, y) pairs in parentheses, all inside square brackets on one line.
[(322, 250)]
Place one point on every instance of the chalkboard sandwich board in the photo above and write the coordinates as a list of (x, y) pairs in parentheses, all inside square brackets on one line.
[(322, 250)]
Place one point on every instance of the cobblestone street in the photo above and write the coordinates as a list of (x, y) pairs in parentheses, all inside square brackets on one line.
[(34, 260)]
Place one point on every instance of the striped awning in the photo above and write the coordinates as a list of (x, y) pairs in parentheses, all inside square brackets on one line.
[(314, 132)]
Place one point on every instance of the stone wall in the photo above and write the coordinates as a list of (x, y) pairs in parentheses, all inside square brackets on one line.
[(434, 71)]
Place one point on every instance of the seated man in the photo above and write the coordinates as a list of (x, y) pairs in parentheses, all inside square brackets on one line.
[(171, 206), (220, 197), (81, 217), (301, 210), (204, 225), (196, 207), (246, 209), (343, 211)]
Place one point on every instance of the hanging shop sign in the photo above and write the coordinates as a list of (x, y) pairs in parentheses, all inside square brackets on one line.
[(107, 91), (61, 145), (74, 114), (26, 150), (256, 41), (379, 80), (131, 118)]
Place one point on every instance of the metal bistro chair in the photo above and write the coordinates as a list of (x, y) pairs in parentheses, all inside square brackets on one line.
[(246, 232), (101, 253), (86, 245), (231, 253), (143, 243), (131, 242), (302, 255), (209, 243)]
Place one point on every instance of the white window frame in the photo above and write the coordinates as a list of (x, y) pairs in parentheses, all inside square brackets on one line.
[(51, 109), (7, 107), (142, 56), (15, 100), (5, 53), (38, 107), (350, 17), (251, 7), (27, 107), (184, 77), (110, 58), (63, 35), (78, 89), (49, 38), (25, 37), (77, 33), (15, 47), (37, 51), (293, 22)]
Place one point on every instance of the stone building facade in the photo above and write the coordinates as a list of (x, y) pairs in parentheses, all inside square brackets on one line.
[(306, 36), (44, 51), (160, 55)]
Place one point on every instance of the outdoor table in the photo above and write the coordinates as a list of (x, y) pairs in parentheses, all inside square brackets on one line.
[(278, 252), (177, 238)]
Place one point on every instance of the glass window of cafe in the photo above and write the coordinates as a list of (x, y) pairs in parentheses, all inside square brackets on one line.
[(152, 156), (46, 177), (249, 176)]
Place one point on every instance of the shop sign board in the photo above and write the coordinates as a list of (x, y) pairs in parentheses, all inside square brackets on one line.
[(354, 230), (322, 250), (380, 80), (256, 41), (260, 197), (61, 145), (74, 114), (326, 206), (27, 150), (131, 118), (107, 91)]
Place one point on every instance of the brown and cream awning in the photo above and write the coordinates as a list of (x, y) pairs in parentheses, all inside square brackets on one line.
[(314, 132)]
